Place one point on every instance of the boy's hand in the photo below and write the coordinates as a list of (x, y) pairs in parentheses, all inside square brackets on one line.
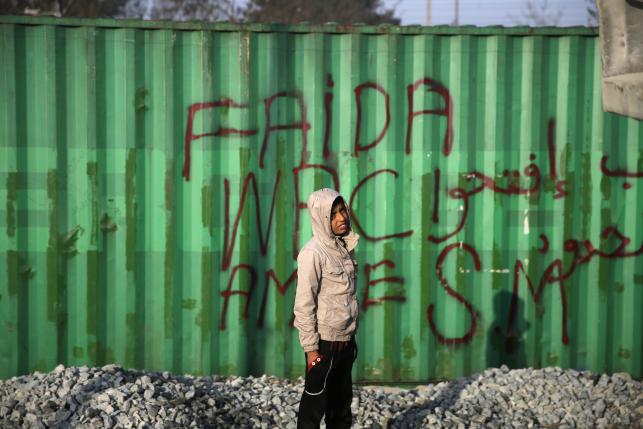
[(312, 359)]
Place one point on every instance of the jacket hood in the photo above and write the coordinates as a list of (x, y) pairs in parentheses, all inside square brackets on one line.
[(320, 204)]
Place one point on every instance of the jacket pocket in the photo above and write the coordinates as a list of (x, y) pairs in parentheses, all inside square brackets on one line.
[(335, 273), (337, 312), (337, 280)]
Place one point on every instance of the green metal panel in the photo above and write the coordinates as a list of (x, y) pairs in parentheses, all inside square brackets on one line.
[(499, 207)]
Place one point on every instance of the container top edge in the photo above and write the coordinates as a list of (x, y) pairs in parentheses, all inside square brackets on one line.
[(331, 28)]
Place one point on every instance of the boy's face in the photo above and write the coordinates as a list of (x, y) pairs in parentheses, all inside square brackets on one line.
[(339, 218)]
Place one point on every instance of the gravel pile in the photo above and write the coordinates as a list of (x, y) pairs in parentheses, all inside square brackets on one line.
[(114, 397)]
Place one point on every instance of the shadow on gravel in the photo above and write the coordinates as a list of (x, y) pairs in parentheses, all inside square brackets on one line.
[(447, 397), (76, 401), (505, 347)]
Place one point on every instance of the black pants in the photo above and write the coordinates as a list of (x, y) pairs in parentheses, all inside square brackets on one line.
[(328, 389)]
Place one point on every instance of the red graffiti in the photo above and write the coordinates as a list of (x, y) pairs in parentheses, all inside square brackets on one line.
[(302, 125), (619, 172), (436, 196), (461, 194), (442, 339), (545, 242), (221, 132), (281, 288), (513, 181), (544, 279), (446, 111), (559, 185), (228, 292), (355, 220), (358, 101), (228, 243), (328, 98), (561, 192), (513, 187), (582, 253), (367, 301)]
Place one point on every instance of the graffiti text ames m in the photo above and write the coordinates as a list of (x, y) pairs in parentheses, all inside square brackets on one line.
[(281, 288), (230, 238), (246, 294)]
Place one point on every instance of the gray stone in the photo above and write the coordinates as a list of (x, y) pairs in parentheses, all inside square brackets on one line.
[(108, 396), (148, 394), (599, 408)]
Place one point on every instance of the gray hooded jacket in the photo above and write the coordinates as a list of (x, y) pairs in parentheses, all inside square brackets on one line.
[(325, 302)]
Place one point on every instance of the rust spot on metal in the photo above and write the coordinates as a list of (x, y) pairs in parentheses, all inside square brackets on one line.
[(52, 247), (92, 169), (188, 304), (130, 321), (77, 352), (586, 187), (139, 99), (92, 286), (552, 358), (130, 210), (204, 319), (92, 351), (52, 283), (168, 281), (25, 270), (11, 203), (106, 224), (52, 180), (169, 187), (68, 242), (408, 347), (207, 203)]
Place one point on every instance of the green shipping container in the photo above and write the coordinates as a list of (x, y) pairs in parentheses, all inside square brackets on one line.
[(154, 178)]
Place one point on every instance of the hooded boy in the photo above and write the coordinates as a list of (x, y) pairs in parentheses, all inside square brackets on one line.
[(326, 312)]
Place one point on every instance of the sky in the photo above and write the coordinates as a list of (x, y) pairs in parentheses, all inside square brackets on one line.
[(485, 12)]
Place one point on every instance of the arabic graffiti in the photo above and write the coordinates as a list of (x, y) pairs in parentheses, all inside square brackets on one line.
[(529, 181)]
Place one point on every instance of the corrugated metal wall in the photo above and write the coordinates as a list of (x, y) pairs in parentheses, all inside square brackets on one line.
[(153, 177)]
